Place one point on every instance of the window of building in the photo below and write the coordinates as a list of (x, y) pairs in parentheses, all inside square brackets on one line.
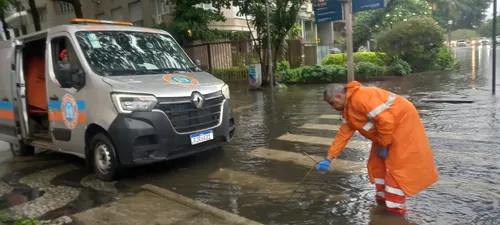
[(66, 7), (160, 7), (236, 11), (101, 16), (117, 14), (135, 12), (205, 6), (42, 13)]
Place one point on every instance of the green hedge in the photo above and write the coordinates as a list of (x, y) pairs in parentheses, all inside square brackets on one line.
[(377, 58), (338, 73), (232, 74)]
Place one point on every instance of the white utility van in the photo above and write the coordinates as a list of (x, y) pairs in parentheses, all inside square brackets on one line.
[(111, 93)]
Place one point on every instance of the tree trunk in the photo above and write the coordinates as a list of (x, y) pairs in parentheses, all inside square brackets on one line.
[(5, 27), (34, 14), (78, 8)]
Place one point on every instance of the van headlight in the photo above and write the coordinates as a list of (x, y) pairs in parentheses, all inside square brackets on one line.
[(225, 91), (127, 103)]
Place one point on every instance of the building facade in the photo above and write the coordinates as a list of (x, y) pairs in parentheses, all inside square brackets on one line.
[(139, 12)]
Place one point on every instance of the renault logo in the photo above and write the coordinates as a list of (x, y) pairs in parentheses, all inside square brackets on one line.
[(197, 100)]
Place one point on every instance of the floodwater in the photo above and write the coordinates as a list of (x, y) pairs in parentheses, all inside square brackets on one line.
[(256, 174)]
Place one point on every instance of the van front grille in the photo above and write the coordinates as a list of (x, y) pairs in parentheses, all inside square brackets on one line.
[(185, 117)]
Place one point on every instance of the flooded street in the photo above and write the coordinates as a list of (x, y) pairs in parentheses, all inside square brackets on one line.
[(255, 175)]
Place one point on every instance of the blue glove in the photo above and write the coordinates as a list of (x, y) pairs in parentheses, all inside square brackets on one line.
[(382, 153), (323, 165)]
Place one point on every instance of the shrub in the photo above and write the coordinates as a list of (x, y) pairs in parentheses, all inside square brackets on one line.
[(377, 58), (417, 41), (399, 67), (232, 74), (315, 74), (365, 70), (282, 66), (445, 61)]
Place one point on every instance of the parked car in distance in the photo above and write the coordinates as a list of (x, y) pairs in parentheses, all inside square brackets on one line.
[(483, 41), (498, 39), (461, 43)]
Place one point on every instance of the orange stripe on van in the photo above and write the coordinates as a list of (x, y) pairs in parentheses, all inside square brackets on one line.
[(82, 117), (4, 114), (58, 116), (55, 116)]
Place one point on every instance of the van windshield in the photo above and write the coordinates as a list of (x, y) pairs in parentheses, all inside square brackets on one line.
[(120, 53)]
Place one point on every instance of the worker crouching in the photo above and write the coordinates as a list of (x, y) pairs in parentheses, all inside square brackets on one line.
[(401, 162)]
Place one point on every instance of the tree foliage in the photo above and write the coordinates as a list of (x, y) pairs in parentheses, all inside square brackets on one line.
[(190, 22), (283, 15), (466, 14), (486, 30), (418, 41), (466, 34), (369, 23)]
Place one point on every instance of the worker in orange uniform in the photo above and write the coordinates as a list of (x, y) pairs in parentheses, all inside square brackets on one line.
[(401, 162)]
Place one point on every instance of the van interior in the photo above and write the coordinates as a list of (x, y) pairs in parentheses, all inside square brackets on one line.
[(36, 93)]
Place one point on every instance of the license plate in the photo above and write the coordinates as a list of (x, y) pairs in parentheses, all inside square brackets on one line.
[(202, 137)]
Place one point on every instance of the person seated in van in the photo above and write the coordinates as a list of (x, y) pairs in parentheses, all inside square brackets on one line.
[(63, 75)]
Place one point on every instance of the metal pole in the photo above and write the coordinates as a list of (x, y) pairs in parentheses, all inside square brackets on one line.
[(350, 61), (269, 51), (493, 70)]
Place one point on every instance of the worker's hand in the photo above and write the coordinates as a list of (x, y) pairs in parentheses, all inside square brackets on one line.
[(382, 152), (323, 165)]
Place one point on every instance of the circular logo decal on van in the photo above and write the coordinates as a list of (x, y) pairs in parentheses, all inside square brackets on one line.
[(69, 111), (181, 80)]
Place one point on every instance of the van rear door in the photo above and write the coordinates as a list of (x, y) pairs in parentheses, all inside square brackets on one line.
[(7, 123)]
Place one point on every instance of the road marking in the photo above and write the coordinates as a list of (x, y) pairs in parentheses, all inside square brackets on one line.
[(302, 160), (55, 196), (431, 134), (330, 116), (323, 141), (320, 126), (263, 185)]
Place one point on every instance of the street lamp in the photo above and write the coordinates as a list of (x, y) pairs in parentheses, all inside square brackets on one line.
[(450, 22)]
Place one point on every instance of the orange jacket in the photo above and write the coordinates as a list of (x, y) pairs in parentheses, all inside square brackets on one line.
[(390, 121)]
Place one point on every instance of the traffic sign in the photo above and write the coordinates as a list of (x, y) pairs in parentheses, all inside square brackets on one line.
[(365, 5), (327, 11)]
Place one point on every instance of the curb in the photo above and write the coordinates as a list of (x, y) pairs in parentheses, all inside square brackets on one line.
[(229, 217)]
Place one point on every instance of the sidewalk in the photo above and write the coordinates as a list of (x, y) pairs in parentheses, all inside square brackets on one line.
[(157, 206)]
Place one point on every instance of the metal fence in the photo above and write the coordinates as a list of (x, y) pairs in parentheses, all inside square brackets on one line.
[(228, 54)]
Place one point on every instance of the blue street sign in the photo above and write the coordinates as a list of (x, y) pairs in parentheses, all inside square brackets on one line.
[(327, 11), (365, 5)]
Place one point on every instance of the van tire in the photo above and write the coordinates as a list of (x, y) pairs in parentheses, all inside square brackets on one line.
[(22, 149), (103, 157)]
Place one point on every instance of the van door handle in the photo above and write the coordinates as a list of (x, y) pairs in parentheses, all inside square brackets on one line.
[(54, 98)]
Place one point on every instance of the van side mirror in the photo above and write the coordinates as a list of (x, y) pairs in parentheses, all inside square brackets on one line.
[(198, 63), (77, 78)]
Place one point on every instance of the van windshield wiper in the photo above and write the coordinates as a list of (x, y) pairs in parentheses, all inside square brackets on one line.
[(131, 72)]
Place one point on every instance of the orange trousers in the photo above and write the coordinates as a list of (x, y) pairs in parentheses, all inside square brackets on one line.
[(388, 190)]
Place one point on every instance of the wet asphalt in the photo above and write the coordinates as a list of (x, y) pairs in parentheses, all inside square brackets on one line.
[(255, 174)]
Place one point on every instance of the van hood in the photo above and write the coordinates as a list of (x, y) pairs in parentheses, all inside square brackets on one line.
[(166, 85)]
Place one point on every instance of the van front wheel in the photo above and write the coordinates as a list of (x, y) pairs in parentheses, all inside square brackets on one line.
[(22, 149), (103, 158)]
